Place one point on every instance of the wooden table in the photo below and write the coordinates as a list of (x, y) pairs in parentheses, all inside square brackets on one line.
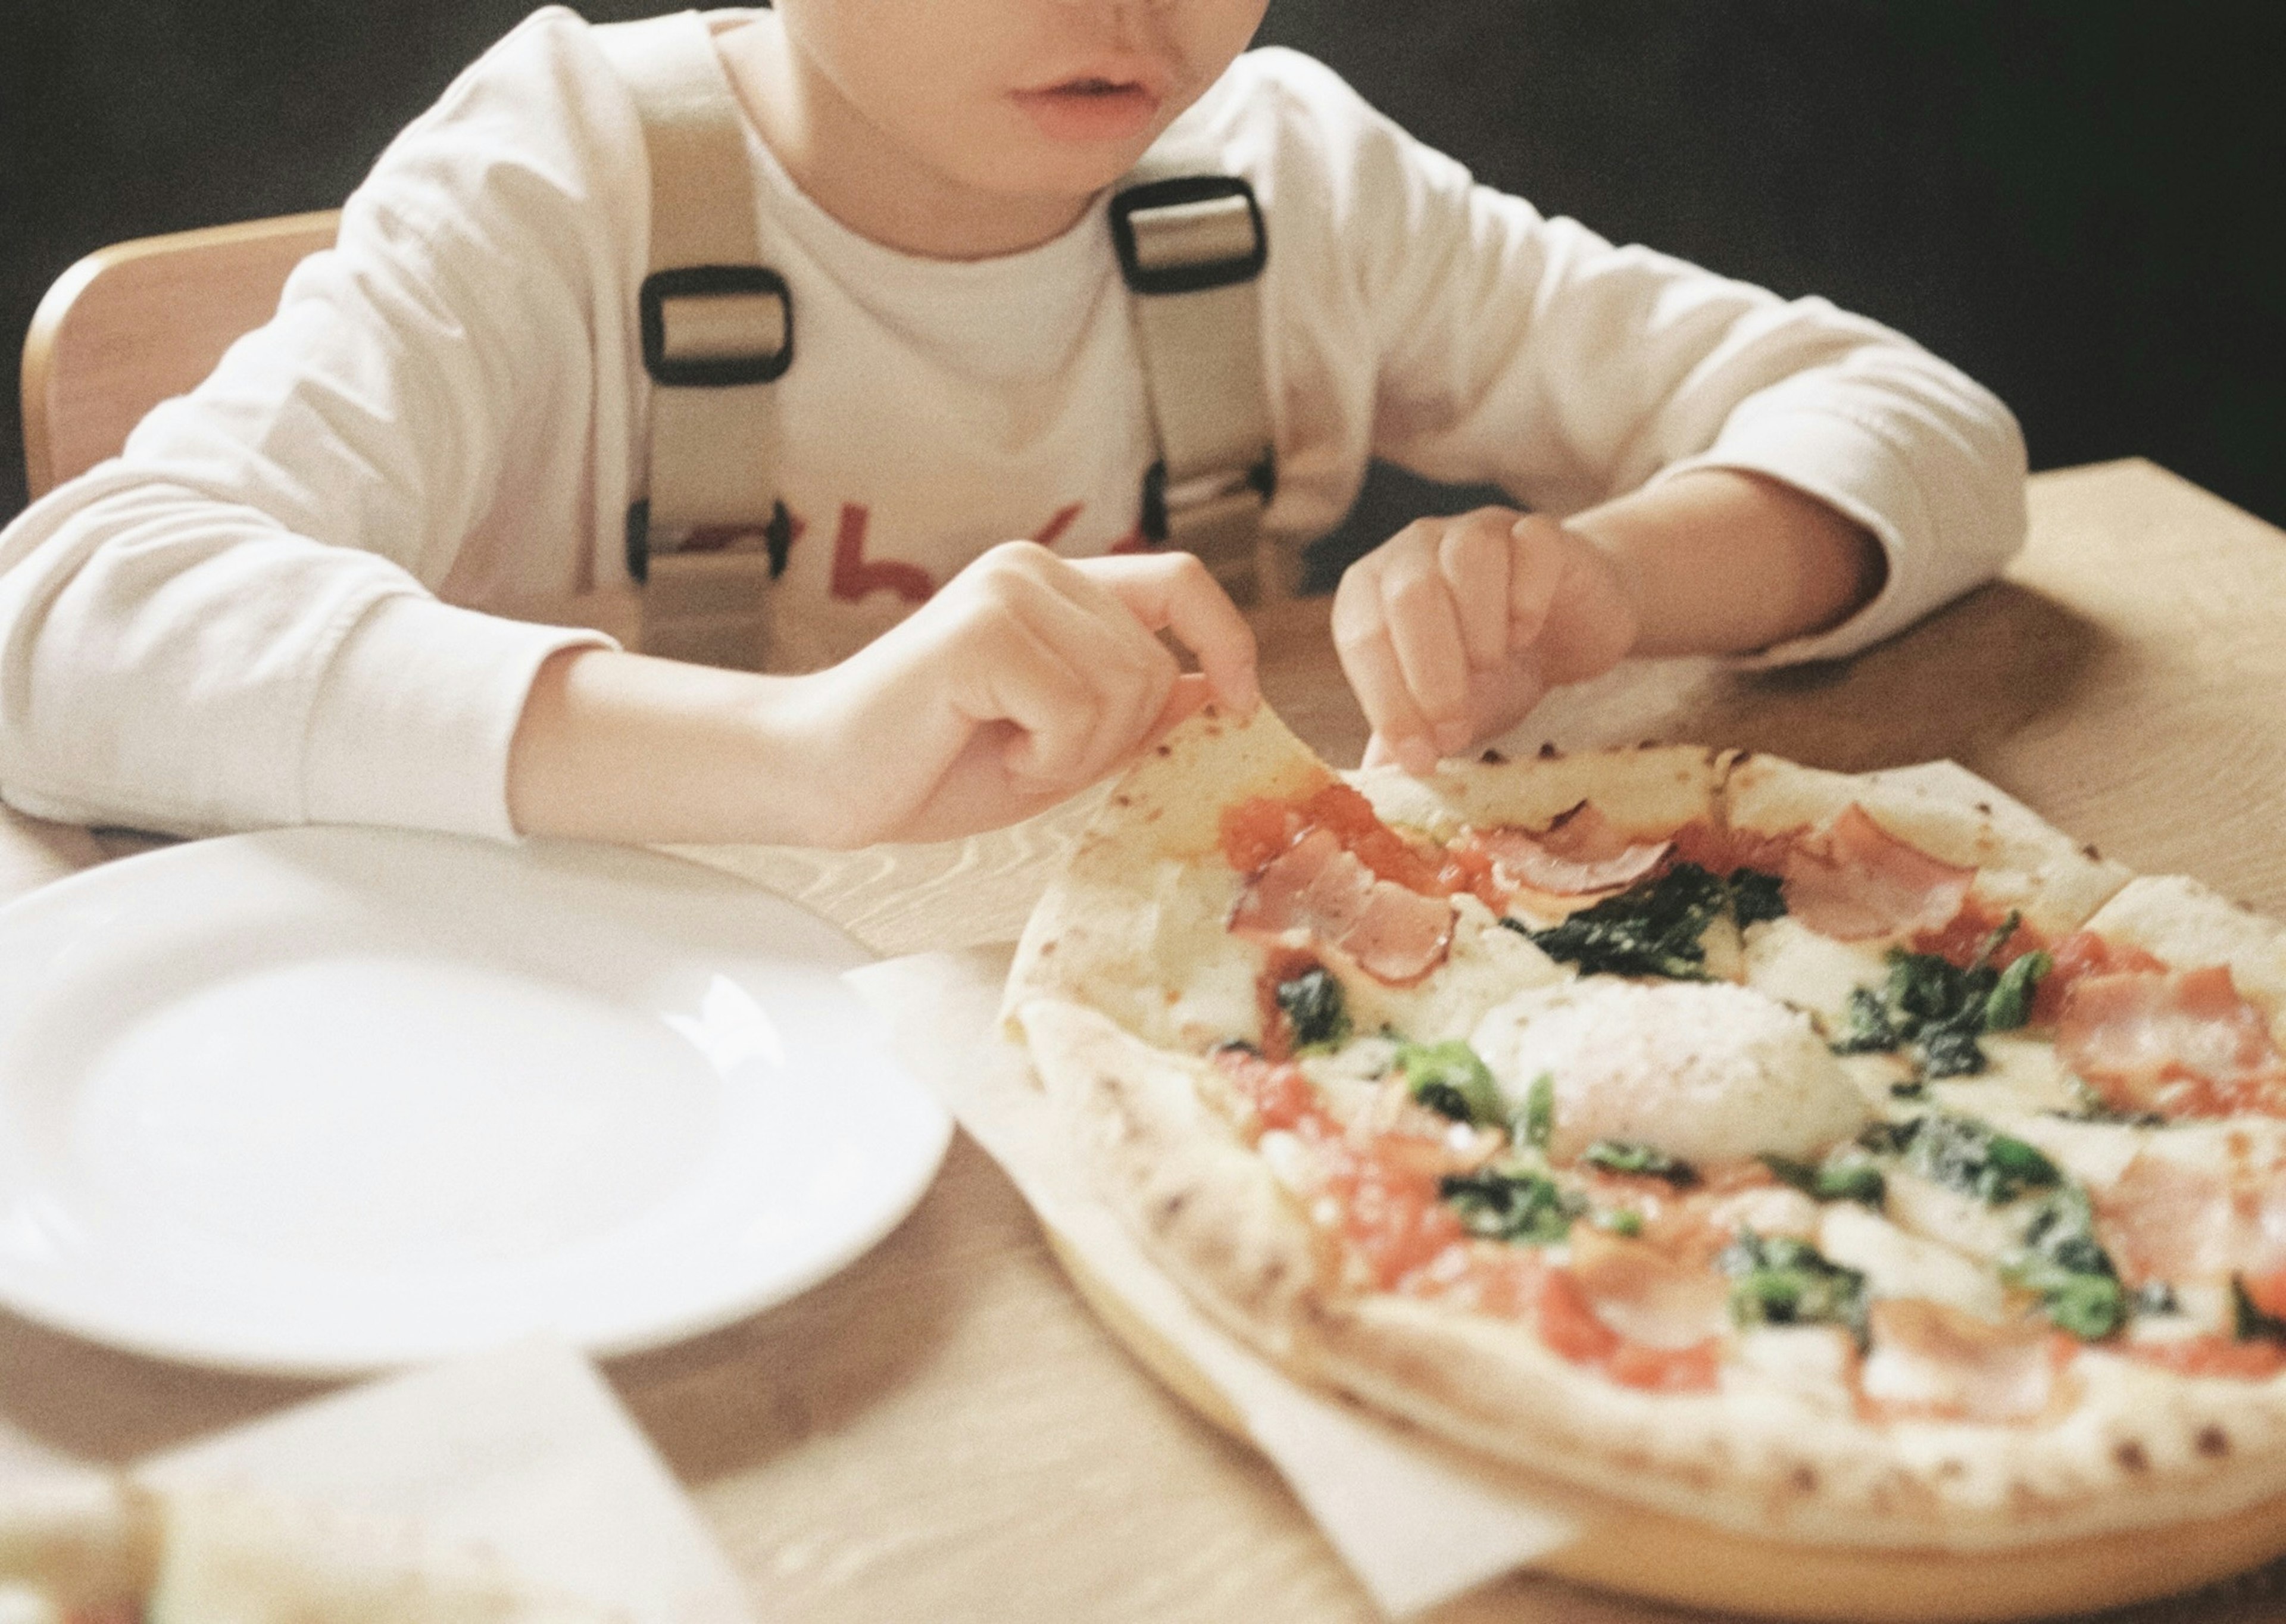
[(942, 1433)]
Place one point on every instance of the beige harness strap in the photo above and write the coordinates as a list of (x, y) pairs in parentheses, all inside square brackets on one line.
[(1192, 248), (717, 329)]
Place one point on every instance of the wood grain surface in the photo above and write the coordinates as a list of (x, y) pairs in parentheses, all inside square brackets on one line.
[(943, 1433)]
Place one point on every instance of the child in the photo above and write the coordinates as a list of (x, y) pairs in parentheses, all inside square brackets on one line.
[(286, 602)]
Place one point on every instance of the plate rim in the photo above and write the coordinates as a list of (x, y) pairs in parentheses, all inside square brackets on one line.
[(582, 860)]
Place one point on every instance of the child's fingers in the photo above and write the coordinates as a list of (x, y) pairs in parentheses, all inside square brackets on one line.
[(1174, 592), (1473, 556), (1424, 629), (1065, 661), (1535, 573), (1129, 674), (1370, 661)]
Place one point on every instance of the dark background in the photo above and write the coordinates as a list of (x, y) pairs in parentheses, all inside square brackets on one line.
[(2069, 198)]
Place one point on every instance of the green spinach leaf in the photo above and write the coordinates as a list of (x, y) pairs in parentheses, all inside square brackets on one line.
[(1516, 1205), (2064, 1263), (1782, 1281), (1623, 1156), (1449, 1079), (1316, 1008)]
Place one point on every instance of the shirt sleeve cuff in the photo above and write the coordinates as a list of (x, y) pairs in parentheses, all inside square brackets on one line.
[(1857, 470), (412, 719)]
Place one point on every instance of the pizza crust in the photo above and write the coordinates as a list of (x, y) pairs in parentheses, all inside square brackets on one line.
[(2194, 928), (2022, 863), (1091, 991)]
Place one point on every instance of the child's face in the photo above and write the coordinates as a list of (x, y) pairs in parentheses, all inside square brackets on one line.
[(1035, 98)]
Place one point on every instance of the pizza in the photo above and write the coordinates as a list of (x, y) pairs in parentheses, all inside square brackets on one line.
[(1848, 1161)]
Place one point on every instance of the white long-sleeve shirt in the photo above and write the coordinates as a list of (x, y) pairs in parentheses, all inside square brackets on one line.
[(286, 602)]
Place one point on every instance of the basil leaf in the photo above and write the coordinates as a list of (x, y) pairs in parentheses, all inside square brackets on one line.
[(1316, 1008), (1621, 1221)]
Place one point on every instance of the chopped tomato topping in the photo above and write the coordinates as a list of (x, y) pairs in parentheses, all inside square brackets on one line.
[(1573, 1330), (1351, 816), (1390, 1216), (1280, 1095), (1963, 938), (1502, 1280), (2183, 1043), (2217, 1356), (1468, 867), (1568, 1324), (1254, 831), (2078, 956)]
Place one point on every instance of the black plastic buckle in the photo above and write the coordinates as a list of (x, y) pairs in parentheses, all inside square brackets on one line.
[(705, 281), (1186, 278), (1263, 478)]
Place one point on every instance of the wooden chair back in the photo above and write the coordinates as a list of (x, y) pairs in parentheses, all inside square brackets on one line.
[(140, 322)]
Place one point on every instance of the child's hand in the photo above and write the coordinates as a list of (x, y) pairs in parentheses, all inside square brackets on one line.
[(1455, 628), (1026, 679)]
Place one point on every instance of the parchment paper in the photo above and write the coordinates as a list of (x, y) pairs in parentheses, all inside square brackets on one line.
[(524, 1455), (1415, 1527)]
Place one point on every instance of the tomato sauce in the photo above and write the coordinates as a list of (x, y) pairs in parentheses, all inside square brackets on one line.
[(1255, 831)]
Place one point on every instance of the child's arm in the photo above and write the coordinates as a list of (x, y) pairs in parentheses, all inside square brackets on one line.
[(1456, 627), (1026, 679)]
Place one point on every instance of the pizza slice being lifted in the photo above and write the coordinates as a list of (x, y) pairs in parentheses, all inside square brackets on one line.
[(1846, 1161)]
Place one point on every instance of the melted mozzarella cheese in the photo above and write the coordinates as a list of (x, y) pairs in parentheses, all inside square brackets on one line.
[(1810, 1365), (1788, 961), (1895, 1264), (1963, 1222), (2020, 1074), (1704, 1071), (1486, 964)]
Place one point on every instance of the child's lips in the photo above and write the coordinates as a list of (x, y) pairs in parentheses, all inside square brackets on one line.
[(1091, 109)]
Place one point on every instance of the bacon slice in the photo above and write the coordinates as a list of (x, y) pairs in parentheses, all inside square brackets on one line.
[(2183, 1043), (1396, 935), (1932, 1360), (2198, 1218), (1856, 880), (1581, 852)]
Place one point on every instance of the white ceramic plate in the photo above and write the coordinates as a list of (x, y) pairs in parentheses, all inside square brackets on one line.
[(326, 1101)]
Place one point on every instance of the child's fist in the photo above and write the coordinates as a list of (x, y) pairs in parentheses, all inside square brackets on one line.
[(1453, 630)]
